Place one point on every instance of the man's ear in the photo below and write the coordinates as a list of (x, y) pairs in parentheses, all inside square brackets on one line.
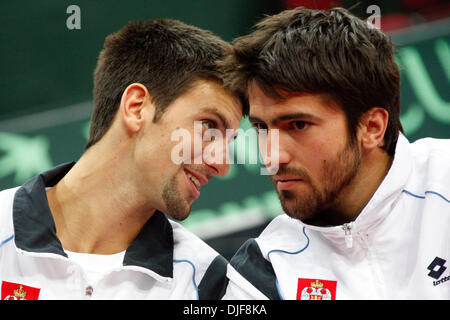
[(372, 127), (132, 107)]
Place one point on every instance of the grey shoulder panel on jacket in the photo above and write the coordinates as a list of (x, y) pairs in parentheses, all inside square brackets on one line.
[(214, 282), (251, 264)]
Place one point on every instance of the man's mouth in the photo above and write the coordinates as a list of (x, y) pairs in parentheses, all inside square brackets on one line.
[(196, 181), (286, 182)]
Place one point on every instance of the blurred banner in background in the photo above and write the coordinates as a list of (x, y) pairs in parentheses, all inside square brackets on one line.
[(47, 63)]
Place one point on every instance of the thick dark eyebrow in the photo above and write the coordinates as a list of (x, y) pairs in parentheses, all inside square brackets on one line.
[(285, 117), (292, 116), (224, 121), (253, 119)]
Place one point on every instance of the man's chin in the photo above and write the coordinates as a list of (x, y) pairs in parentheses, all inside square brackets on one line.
[(178, 212), (179, 216), (300, 209), (177, 202), (295, 213)]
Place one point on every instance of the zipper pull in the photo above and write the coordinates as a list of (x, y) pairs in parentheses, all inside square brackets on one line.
[(348, 235)]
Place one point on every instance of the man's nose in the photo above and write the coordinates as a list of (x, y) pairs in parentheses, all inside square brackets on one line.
[(215, 155), (274, 149)]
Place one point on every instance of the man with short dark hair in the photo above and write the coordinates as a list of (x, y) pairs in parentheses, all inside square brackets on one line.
[(97, 228), (367, 212)]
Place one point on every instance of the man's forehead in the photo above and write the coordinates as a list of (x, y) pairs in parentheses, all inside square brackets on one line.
[(209, 96), (231, 110), (262, 104)]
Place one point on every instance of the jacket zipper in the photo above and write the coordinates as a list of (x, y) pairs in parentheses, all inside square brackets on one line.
[(348, 234)]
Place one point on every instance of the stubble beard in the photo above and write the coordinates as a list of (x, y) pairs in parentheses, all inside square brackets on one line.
[(336, 175), (175, 205)]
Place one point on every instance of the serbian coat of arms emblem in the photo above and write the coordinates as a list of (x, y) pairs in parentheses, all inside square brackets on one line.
[(16, 291), (316, 289)]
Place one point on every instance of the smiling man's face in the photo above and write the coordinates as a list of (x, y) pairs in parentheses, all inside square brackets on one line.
[(172, 187)]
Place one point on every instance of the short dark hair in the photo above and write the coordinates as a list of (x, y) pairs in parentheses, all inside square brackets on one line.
[(315, 51), (165, 55)]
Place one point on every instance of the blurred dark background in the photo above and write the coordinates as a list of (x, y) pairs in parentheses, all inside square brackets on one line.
[(46, 88)]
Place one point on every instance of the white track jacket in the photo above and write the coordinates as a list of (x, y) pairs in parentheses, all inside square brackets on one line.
[(397, 248), (165, 261)]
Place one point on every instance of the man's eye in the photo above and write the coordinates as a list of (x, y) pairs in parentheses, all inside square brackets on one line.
[(209, 124), (299, 125)]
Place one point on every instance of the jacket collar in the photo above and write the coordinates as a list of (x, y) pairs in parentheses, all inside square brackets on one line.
[(35, 229), (390, 189), (384, 198)]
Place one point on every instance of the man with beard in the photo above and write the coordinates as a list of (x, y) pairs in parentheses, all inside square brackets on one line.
[(367, 213), (97, 228)]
